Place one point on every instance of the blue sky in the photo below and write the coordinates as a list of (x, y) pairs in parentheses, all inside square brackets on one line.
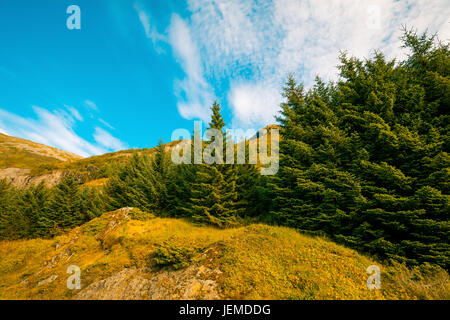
[(137, 70)]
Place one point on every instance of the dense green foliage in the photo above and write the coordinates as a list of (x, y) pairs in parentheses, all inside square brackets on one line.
[(141, 183), (364, 161), (218, 194), (214, 195), (41, 211)]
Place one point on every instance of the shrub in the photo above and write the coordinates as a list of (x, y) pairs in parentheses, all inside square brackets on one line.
[(167, 255), (137, 214)]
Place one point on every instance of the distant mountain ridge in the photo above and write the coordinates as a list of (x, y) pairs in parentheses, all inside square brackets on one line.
[(25, 163), (19, 158), (22, 153)]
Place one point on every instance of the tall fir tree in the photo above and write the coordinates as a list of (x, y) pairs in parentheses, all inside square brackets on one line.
[(65, 205), (35, 203), (141, 183), (213, 195), (161, 167), (12, 222)]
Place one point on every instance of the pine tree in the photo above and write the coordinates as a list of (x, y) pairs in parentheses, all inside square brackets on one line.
[(179, 189), (141, 183), (253, 191), (365, 160), (65, 205), (161, 167), (11, 218), (213, 195), (35, 203), (217, 121), (133, 185), (89, 204)]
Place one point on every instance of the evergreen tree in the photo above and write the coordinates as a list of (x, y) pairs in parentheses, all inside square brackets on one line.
[(35, 203), (161, 166), (252, 189), (365, 160), (132, 185), (89, 204), (65, 212), (213, 195), (11, 218), (141, 183), (179, 189)]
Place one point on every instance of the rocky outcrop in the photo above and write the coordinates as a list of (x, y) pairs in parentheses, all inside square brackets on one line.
[(21, 177), (198, 281), (194, 282)]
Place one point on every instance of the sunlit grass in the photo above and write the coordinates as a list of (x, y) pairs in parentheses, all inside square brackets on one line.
[(257, 261)]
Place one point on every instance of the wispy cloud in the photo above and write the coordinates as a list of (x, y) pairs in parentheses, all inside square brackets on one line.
[(254, 103), (106, 124), (91, 105), (75, 113), (253, 45), (195, 95), (56, 128), (150, 29), (105, 139)]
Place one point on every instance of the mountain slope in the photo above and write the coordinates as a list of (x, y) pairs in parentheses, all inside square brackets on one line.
[(20, 159), (25, 163), (128, 254), (21, 153)]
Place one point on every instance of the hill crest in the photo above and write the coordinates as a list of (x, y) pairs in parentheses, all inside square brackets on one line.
[(130, 254)]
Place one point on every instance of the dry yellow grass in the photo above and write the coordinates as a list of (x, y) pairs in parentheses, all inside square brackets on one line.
[(258, 261)]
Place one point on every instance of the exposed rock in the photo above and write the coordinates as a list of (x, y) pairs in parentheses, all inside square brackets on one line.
[(194, 282), (50, 279), (198, 281), (116, 218), (21, 177)]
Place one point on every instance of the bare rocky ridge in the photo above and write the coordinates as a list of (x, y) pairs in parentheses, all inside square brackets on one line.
[(21, 177), (194, 282), (19, 156)]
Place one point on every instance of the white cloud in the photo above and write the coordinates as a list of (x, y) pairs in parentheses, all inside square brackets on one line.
[(75, 113), (106, 124), (254, 103), (144, 20), (252, 45), (53, 128), (105, 139), (150, 29), (194, 93), (91, 105)]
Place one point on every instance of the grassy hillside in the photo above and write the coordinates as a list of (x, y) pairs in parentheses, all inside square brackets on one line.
[(34, 162), (21, 153), (101, 162), (128, 254)]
